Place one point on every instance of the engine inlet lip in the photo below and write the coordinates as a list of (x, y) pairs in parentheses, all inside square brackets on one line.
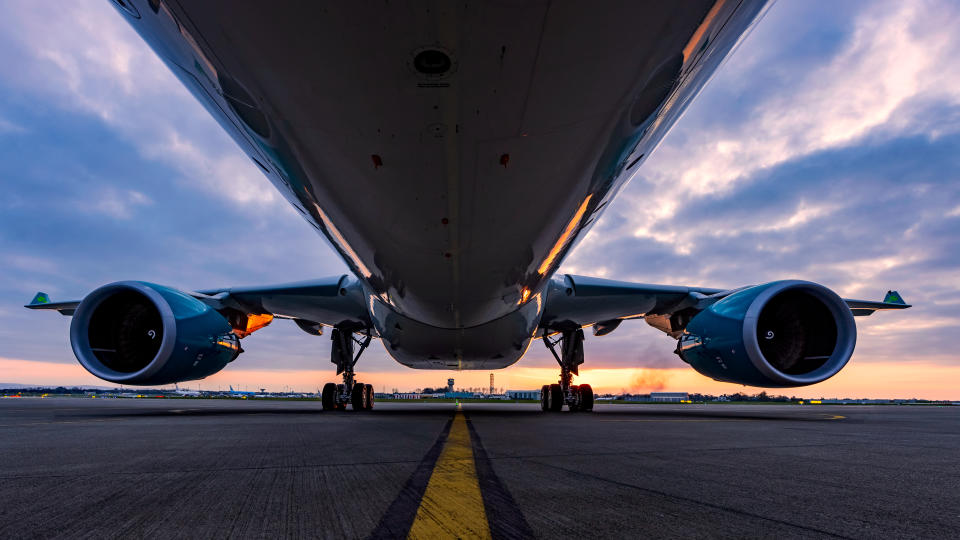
[(80, 339), (846, 333)]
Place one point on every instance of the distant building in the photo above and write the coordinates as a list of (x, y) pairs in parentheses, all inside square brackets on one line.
[(523, 394), (449, 385), (668, 397)]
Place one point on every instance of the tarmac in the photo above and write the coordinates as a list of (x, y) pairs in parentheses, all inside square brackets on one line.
[(194, 468)]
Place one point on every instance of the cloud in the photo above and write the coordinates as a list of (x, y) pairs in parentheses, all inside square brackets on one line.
[(891, 74), (893, 69), (7, 126), (231, 175), (120, 204), (898, 60), (85, 58)]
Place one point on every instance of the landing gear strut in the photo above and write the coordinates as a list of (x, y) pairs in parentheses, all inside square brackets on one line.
[(577, 397), (336, 396)]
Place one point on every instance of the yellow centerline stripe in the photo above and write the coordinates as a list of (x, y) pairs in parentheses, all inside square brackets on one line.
[(452, 505)]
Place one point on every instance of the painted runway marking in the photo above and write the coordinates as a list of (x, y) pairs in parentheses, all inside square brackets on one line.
[(398, 518), (504, 516), (452, 505), (454, 493)]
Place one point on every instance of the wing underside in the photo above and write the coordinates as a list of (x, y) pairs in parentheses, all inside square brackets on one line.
[(581, 301)]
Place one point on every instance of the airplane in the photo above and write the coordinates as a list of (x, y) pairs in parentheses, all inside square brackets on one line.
[(185, 392), (241, 392), (453, 154)]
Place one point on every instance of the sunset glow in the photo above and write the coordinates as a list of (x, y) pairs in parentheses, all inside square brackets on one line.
[(869, 380)]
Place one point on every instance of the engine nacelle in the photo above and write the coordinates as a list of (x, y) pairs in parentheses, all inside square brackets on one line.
[(133, 332), (781, 334)]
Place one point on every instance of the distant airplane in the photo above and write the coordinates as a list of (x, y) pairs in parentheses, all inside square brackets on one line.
[(241, 392), (453, 160), (177, 390)]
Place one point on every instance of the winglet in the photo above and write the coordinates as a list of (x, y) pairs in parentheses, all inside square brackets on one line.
[(892, 300), (893, 297), (40, 298)]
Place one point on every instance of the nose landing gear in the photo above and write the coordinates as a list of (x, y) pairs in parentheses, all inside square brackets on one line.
[(576, 397), (336, 396)]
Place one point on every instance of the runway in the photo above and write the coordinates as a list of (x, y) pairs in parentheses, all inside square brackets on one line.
[(222, 468)]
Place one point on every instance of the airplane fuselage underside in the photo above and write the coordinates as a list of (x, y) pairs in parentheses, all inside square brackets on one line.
[(452, 153)]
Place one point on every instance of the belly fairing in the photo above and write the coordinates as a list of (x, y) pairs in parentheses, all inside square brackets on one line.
[(492, 345)]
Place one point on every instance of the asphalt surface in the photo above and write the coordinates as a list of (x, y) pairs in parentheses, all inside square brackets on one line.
[(217, 468)]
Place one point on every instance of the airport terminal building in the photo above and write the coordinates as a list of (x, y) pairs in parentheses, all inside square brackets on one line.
[(668, 397)]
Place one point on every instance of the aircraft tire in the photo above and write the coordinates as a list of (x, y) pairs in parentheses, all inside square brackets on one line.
[(556, 398), (586, 397), (545, 397), (329, 397), (358, 397), (370, 399)]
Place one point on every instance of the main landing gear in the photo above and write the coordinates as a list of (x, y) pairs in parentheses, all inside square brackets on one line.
[(577, 397), (336, 396)]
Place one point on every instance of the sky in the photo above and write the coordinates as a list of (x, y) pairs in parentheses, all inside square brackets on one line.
[(826, 148)]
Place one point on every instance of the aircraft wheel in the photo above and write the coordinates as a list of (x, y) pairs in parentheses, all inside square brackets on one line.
[(545, 397), (358, 397), (586, 397), (556, 397), (370, 399), (329, 396)]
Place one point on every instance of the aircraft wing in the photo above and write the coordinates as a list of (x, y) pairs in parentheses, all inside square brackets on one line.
[(892, 300), (579, 301), (41, 300), (336, 300)]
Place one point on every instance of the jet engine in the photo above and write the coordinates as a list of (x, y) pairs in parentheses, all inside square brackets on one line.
[(780, 334), (133, 332)]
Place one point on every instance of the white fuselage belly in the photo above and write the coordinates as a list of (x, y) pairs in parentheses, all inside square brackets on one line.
[(452, 196)]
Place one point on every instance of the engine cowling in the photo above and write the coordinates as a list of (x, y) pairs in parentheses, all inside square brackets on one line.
[(133, 332), (781, 334)]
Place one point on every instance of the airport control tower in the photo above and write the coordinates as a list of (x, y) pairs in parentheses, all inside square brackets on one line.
[(492, 391), (449, 385)]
